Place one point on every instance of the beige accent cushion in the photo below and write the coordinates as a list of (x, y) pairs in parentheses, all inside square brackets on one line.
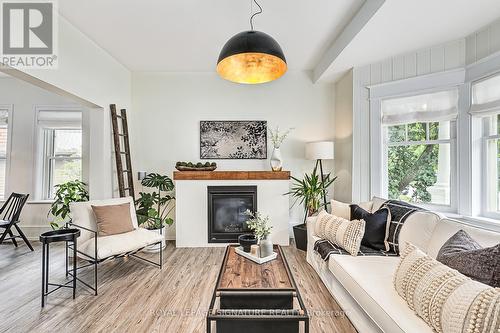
[(342, 232), (446, 300), (113, 219), (377, 203), (83, 215), (341, 209), (368, 206)]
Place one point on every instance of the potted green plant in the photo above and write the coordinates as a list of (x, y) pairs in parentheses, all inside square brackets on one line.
[(153, 209), (66, 193), (261, 228), (309, 192)]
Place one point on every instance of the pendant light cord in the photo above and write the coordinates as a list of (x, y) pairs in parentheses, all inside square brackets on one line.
[(255, 14)]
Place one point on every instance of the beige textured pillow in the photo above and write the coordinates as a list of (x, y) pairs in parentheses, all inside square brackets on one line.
[(344, 233), (341, 209), (113, 219), (321, 221), (445, 299)]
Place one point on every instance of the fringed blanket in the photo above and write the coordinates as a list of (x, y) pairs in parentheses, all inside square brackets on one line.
[(324, 248), (400, 211)]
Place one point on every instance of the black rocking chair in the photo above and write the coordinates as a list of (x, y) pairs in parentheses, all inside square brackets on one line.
[(9, 217)]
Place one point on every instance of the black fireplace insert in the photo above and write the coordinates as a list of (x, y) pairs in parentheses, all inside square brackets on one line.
[(226, 212)]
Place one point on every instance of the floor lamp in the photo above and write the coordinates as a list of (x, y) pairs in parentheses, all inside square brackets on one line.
[(323, 150)]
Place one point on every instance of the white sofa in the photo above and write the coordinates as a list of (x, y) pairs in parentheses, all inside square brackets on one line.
[(363, 286)]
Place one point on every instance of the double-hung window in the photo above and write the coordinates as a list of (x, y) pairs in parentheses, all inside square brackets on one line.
[(60, 149), (486, 109), (419, 135), (4, 140)]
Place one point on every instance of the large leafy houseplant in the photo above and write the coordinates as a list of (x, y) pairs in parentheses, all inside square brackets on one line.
[(309, 191), (66, 193), (153, 209)]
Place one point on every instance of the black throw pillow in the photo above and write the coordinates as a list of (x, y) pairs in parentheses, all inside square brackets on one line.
[(464, 254), (375, 226)]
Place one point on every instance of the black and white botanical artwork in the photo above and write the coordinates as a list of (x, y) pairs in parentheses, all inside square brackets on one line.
[(233, 139)]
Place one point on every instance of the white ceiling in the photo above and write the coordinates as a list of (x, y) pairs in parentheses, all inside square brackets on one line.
[(187, 35), (402, 26)]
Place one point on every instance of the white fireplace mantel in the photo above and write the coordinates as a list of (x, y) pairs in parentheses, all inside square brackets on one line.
[(191, 209)]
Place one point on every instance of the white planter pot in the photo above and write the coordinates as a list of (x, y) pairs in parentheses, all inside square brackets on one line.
[(156, 247)]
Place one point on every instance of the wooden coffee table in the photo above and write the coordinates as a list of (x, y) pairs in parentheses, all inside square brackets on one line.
[(249, 297)]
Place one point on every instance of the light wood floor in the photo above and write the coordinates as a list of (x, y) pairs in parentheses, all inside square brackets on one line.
[(138, 297)]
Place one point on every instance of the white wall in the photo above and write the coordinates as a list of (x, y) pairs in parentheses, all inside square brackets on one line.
[(483, 43), (169, 106), (21, 174), (89, 73), (343, 138)]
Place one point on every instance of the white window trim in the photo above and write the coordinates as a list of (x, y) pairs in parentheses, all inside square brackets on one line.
[(378, 154), (10, 111), (478, 72), (38, 143), (484, 174), (469, 190)]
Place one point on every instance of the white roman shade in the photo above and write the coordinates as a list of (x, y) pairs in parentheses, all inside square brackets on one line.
[(486, 96), (52, 119), (439, 106)]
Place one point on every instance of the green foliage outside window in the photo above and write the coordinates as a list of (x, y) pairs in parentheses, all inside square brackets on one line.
[(412, 168)]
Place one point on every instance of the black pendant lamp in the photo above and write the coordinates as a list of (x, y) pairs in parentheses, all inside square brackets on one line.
[(251, 57)]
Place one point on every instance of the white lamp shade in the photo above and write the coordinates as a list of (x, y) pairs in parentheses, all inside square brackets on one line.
[(323, 150)]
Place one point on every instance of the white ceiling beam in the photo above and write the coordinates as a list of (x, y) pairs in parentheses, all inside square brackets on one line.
[(364, 14)]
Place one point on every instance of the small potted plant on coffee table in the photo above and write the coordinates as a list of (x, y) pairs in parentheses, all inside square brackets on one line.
[(261, 228), (309, 192)]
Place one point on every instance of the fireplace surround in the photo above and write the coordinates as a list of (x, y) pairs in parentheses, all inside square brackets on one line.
[(191, 204), (226, 211)]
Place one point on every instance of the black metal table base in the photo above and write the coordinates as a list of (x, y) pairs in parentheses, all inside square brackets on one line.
[(62, 235)]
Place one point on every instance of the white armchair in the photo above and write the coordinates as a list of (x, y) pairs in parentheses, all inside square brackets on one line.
[(97, 249)]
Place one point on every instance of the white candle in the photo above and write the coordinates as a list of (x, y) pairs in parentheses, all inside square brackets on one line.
[(254, 250)]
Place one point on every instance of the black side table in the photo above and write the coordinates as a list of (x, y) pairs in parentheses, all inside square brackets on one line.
[(61, 235)]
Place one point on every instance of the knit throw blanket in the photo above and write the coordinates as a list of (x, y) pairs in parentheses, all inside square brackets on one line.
[(324, 248)]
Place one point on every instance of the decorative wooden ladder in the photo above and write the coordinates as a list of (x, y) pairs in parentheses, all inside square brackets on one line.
[(122, 151)]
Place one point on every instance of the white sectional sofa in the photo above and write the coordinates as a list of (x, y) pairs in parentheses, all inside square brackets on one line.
[(363, 286)]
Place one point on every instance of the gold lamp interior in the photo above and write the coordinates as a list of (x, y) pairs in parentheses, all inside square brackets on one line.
[(251, 68)]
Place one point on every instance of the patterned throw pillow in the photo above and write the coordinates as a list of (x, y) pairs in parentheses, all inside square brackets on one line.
[(321, 221), (445, 299), (399, 212), (344, 233)]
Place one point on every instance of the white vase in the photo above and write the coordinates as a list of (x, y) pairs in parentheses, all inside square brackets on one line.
[(266, 247), (156, 247), (276, 160)]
